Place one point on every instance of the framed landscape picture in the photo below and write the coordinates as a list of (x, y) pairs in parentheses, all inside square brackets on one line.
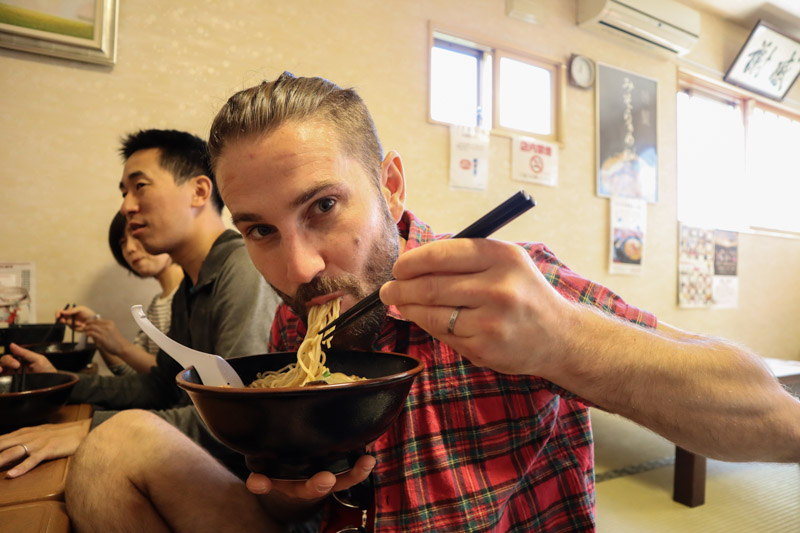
[(768, 64), (83, 30)]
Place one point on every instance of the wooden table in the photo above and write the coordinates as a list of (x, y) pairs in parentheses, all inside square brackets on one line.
[(36, 500), (689, 484)]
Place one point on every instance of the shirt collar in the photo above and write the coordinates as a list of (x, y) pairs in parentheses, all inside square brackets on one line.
[(228, 241), (416, 233)]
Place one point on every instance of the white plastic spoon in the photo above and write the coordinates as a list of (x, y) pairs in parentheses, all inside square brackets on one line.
[(212, 369)]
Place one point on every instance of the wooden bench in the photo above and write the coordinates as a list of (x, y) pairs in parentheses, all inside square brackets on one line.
[(689, 485)]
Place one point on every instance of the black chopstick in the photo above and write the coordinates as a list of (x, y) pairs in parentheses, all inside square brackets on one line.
[(18, 378), (52, 328), (481, 228), (72, 339), (354, 313), (24, 374)]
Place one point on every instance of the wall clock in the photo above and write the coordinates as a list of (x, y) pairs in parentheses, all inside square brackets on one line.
[(581, 71)]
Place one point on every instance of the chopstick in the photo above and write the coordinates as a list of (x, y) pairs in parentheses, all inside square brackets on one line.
[(481, 228), (352, 314), (72, 339), (18, 378), (24, 374), (50, 330)]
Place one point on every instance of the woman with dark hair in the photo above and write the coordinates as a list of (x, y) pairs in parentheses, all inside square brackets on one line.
[(121, 355)]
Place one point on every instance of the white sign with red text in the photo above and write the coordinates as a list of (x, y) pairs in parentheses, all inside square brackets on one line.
[(469, 158), (534, 161)]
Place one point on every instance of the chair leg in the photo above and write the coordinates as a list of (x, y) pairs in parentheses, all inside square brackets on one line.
[(689, 487)]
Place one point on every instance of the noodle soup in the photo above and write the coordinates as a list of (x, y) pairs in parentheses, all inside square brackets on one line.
[(310, 365)]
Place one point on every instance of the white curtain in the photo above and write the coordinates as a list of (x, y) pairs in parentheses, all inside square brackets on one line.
[(711, 163), (773, 151)]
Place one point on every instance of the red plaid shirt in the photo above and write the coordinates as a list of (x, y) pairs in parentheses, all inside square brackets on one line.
[(474, 450)]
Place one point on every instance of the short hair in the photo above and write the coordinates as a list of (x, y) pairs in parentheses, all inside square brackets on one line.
[(260, 110), (183, 154), (116, 232)]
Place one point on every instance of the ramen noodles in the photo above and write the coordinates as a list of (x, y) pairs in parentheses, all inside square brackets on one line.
[(310, 366)]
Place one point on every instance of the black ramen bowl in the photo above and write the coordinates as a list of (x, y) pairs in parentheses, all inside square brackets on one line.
[(42, 395), (293, 433), (65, 355), (31, 333)]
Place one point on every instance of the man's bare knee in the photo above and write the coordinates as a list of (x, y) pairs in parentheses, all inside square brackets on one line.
[(103, 475)]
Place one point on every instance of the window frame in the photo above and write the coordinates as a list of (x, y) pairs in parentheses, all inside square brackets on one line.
[(747, 101), (464, 40)]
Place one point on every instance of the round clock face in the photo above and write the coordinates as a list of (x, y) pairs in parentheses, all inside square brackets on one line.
[(581, 71)]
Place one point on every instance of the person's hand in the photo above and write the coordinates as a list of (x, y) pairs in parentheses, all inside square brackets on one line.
[(81, 314), (41, 443), (106, 335), (284, 495), (510, 318), (37, 363)]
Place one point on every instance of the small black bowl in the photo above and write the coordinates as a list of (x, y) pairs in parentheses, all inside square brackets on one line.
[(43, 395), (64, 355), (293, 433), (31, 333)]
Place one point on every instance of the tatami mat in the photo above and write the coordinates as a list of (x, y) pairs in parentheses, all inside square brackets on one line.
[(636, 495)]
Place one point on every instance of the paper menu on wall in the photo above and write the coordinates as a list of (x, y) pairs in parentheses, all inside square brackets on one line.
[(695, 266), (469, 158), (23, 275), (725, 287), (628, 230), (707, 266)]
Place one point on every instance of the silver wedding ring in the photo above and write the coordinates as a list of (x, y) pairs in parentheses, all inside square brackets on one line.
[(27, 452), (453, 318)]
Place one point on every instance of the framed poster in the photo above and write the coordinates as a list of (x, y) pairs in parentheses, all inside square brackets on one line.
[(627, 153), (768, 64), (83, 30)]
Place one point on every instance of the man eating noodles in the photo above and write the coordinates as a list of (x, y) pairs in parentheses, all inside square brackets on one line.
[(171, 204), (495, 433)]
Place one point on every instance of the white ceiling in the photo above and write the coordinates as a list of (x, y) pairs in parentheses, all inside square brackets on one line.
[(784, 14)]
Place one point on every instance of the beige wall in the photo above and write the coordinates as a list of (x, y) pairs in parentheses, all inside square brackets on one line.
[(179, 60)]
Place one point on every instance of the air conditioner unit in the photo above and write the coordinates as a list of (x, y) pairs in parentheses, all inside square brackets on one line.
[(664, 24)]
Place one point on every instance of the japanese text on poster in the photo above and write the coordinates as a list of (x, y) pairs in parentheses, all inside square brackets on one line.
[(627, 150)]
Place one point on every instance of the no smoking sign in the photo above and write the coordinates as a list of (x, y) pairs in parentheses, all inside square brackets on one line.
[(534, 161)]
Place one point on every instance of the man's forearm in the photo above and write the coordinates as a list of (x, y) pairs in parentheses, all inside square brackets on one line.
[(137, 357), (706, 395)]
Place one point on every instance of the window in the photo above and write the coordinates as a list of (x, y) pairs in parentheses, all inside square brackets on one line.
[(526, 96), (458, 87), (474, 84), (735, 161)]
